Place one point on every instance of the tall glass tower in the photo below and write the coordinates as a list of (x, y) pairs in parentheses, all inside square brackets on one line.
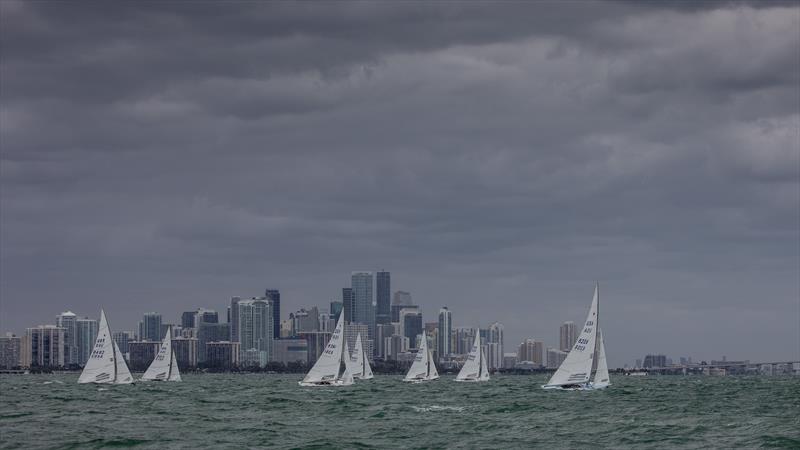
[(383, 313), (363, 307), (445, 331)]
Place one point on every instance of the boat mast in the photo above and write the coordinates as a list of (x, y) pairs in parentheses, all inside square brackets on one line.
[(169, 371)]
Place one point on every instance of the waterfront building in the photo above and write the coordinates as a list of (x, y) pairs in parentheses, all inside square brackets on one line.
[(210, 332), (382, 331), (255, 331), (233, 319), (445, 330), (531, 350), (141, 354), (555, 357), (400, 300), (10, 347), (204, 315), (304, 320), (150, 327), (86, 334), (494, 355), (655, 361), (411, 325), (494, 335), (509, 360), (465, 337), (67, 320), (566, 336), (274, 298), (45, 346), (185, 351), (383, 282), (326, 322), (122, 338), (316, 342), (222, 355), (395, 345), (290, 350), (336, 309), (363, 303)]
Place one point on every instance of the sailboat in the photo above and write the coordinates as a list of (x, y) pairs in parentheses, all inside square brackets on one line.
[(575, 371), (601, 378), (475, 368), (361, 369), (164, 366), (106, 364), (327, 371), (423, 368)]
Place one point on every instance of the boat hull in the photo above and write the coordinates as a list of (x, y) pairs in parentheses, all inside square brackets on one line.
[(582, 387), (323, 383), (419, 380), (472, 380)]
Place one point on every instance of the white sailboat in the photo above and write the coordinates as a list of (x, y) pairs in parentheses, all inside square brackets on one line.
[(423, 368), (475, 368), (361, 368), (575, 371), (328, 369), (164, 366), (106, 364), (601, 378)]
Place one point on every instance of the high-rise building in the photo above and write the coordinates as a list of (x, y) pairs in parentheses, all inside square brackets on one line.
[(222, 355), (655, 361), (204, 315), (326, 322), (10, 346), (364, 308), (150, 327), (400, 300), (123, 339), (336, 309), (445, 330), (348, 304), (45, 346), (290, 351), (509, 360), (86, 333), (187, 319), (210, 332), (233, 319), (411, 325), (185, 350), (274, 298), (531, 350), (66, 320), (495, 335), (555, 357), (255, 331), (395, 345), (304, 320), (383, 285), (494, 357), (566, 336), (382, 331), (141, 354), (464, 338)]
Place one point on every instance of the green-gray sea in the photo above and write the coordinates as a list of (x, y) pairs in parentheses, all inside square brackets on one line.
[(511, 411)]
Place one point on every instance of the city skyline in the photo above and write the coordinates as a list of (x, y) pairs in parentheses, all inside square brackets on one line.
[(497, 160)]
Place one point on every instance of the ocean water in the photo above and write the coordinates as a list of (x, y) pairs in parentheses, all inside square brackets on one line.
[(261, 410)]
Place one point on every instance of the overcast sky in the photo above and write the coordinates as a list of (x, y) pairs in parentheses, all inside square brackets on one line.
[(496, 158)]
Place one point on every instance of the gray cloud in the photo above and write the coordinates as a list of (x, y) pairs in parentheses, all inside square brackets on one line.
[(497, 158)]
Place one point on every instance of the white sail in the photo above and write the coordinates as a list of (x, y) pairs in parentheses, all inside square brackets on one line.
[(105, 363), (474, 368), (176, 374), (326, 369), (163, 367), (360, 368), (577, 367), (423, 368), (350, 361), (601, 378)]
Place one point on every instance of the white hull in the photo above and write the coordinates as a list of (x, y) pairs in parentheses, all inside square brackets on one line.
[(323, 383), (582, 387), (358, 377), (471, 380), (420, 380)]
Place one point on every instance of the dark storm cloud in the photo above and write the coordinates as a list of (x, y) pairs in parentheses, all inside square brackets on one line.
[(496, 157)]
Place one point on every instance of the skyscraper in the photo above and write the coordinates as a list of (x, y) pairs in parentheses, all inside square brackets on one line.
[(555, 358), (150, 327), (274, 297), (495, 336), (348, 304), (383, 281), (233, 319), (187, 319), (66, 320), (86, 334), (566, 336), (445, 330), (10, 347), (336, 309), (204, 315), (123, 339), (210, 332), (363, 310), (255, 331), (531, 350), (45, 346), (411, 325), (400, 300)]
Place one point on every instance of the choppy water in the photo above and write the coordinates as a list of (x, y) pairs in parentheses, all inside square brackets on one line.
[(259, 410)]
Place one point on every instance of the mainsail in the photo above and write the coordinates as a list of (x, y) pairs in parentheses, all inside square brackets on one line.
[(423, 368), (164, 366), (577, 367), (326, 369), (362, 369), (105, 364), (475, 367), (601, 378)]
